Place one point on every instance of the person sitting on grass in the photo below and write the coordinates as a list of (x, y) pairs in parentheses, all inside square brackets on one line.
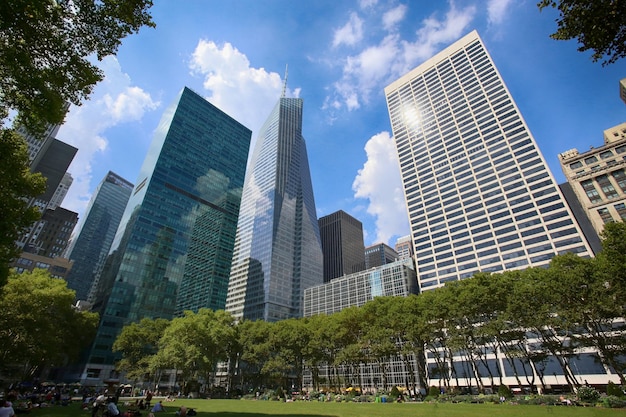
[(112, 410), (158, 407)]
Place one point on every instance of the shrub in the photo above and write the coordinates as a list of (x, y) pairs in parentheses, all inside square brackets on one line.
[(433, 391), (612, 401), (587, 394), (615, 390), (395, 392), (504, 391), (540, 400)]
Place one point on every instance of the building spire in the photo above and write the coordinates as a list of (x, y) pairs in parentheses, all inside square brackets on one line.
[(282, 95)]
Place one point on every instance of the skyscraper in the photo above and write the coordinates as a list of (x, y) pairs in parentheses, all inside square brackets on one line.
[(379, 254), (404, 248), (191, 179), (61, 191), (91, 244), (342, 244), (278, 253), (479, 194), (51, 234), (52, 162)]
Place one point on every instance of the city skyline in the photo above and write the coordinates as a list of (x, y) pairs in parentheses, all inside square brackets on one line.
[(340, 57)]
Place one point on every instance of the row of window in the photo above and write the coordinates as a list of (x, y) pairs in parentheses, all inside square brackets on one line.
[(606, 183), (593, 159)]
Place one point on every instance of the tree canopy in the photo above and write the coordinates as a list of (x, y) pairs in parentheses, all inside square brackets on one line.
[(47, 49), (18, 185), (39, 325), (597, 25), (528, 318)]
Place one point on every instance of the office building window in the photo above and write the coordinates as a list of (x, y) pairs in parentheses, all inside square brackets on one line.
[(607, 187), (605, 215), (592, 193), (621, 210), (620, 178)]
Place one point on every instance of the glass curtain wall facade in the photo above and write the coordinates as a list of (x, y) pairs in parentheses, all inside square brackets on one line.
[(194, 170), (278, 252), (91, 245), (479, 193)]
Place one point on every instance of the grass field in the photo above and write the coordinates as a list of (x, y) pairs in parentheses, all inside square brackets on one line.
[(244, 408)]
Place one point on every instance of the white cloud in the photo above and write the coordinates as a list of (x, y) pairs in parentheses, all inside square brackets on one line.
[(350, 33), (245, 93), (392, 17), (379, 182), (114, 101), (364, 4), (496, 10), (370, 69), (434, 34), (366, 71)]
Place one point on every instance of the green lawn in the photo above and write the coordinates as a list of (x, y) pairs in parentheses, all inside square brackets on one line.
[(246, 408)]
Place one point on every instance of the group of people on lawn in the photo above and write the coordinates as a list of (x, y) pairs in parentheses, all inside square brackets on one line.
[(107, 407)]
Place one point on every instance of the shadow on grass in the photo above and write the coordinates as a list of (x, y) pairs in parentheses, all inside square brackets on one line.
[(247, 414)]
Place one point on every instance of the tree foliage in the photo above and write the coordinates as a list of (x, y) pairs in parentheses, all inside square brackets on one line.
[(39, 325), (597, 25), (528, 318), (47, 48), (138, 343), (18, 185)]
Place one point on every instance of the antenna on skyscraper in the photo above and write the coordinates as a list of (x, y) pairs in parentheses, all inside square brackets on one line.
[(285, 82)]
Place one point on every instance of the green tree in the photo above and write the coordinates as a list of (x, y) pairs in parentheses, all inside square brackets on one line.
[(255, 351), (381, 333), (138, 343), (612, 261), (349, 339), (39, 325), (589, 304), (195, 343), (47, 48), (317, 351), (410, 313), (534, 306), (288, 341), (18, 185), (597, 25)]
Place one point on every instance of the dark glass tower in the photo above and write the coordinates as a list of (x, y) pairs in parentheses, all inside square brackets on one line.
[(342, 245), (187, 190), (91, 245), (278, 253)]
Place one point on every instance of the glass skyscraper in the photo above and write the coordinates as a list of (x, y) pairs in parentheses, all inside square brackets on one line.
[(479, 193), (90, 247), (278, 253), (169, 241)]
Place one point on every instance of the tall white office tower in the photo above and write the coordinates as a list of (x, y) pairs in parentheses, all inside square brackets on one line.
[(479, 193)]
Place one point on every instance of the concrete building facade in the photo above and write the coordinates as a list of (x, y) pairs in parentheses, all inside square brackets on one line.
[(598, 179), (479, 194)]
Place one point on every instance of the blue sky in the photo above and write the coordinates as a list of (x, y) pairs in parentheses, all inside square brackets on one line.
[(341, 55)]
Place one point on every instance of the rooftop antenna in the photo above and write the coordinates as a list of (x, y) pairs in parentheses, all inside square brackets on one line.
[(285, 82)]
